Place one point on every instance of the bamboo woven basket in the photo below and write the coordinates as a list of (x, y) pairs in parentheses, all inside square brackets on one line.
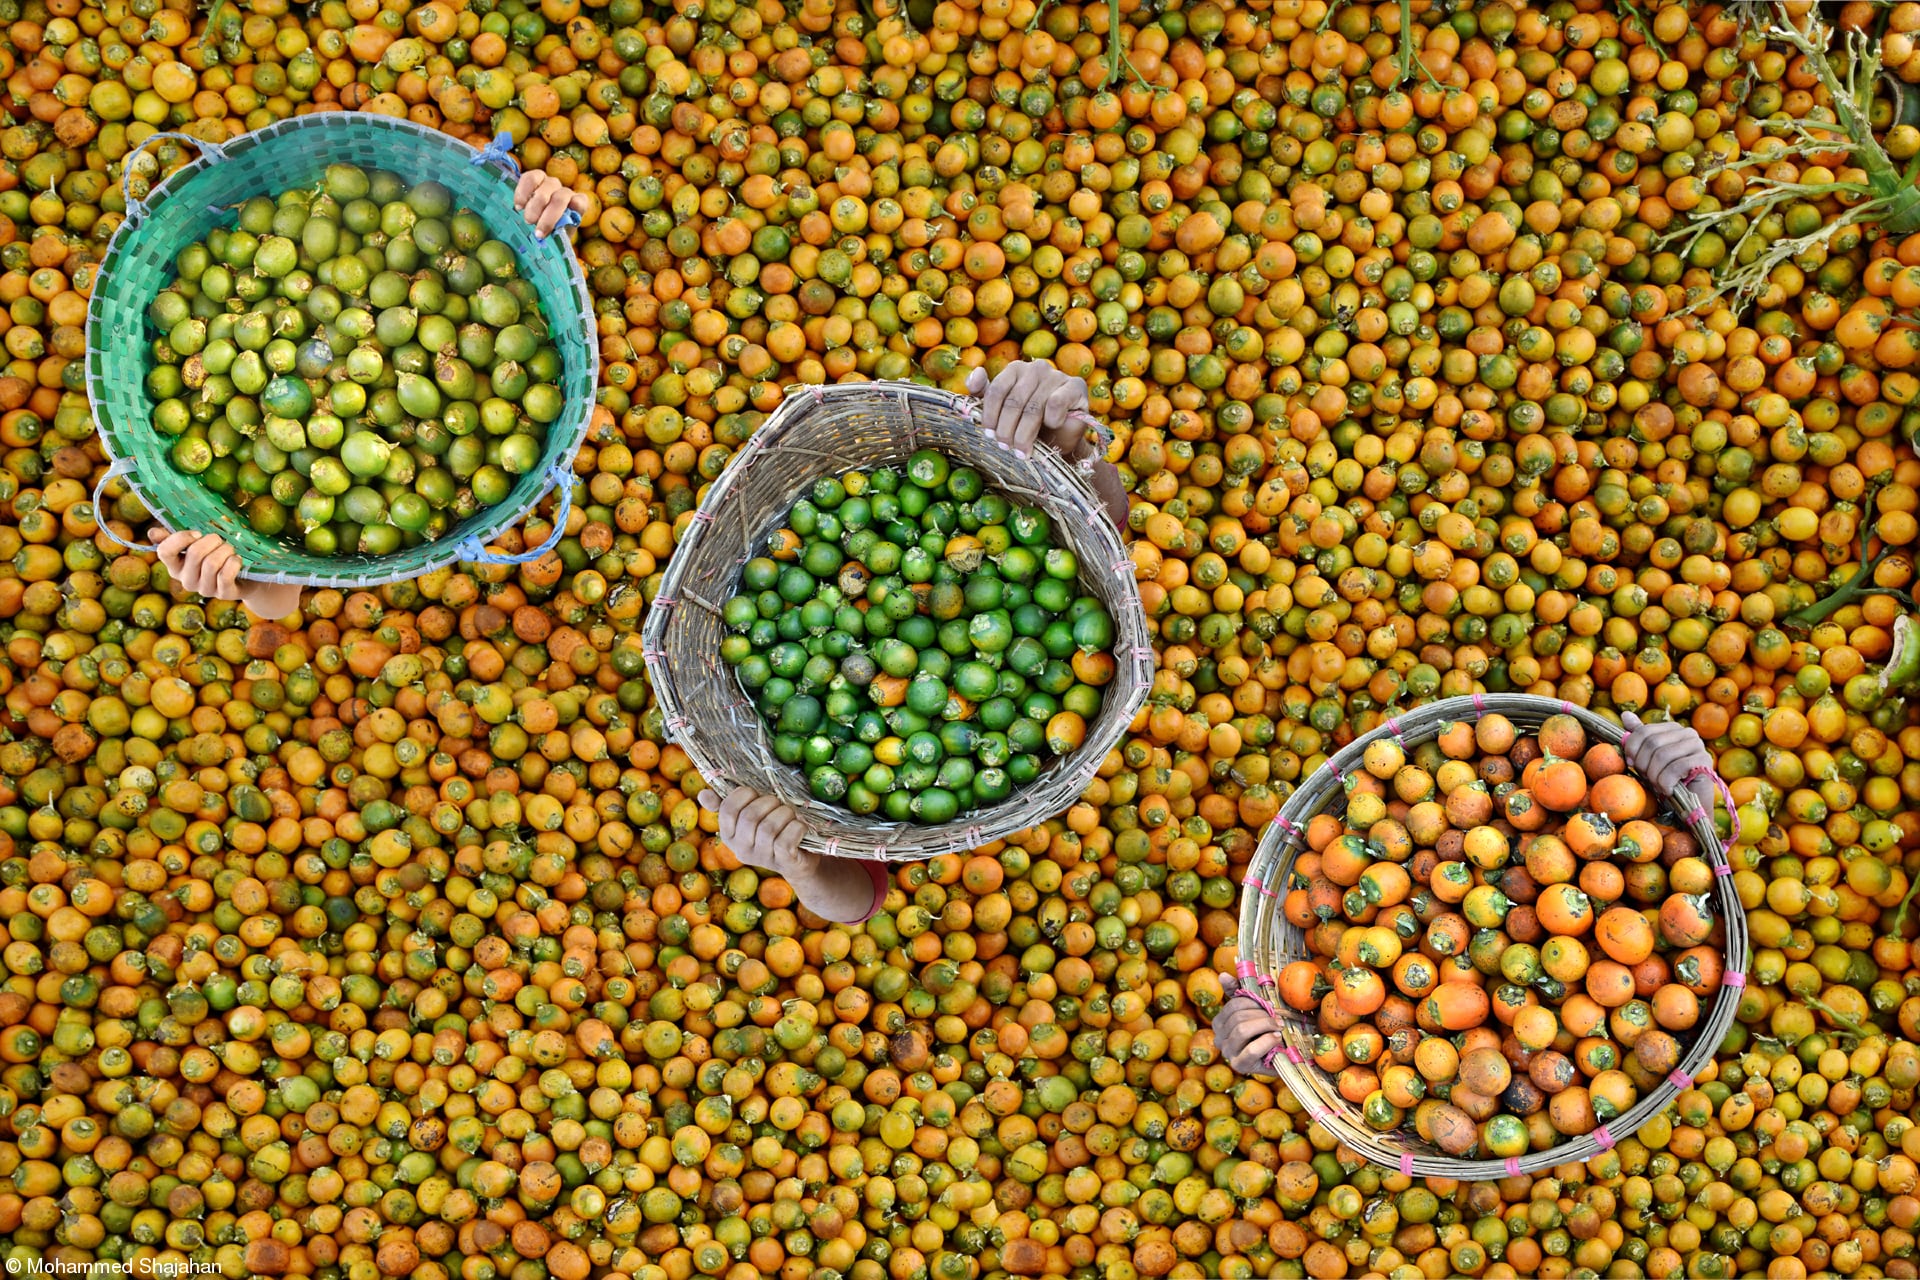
[(1268, 942), (139, 262), (829, 430)]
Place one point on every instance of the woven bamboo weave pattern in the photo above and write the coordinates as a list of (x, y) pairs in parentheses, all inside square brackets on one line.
[(819, 431), (1268, 942), (139, 263)]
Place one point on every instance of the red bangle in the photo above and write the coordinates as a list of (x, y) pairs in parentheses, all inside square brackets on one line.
[(881, 883)]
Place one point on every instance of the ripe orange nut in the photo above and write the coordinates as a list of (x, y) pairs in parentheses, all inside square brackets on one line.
[(1439, 350)]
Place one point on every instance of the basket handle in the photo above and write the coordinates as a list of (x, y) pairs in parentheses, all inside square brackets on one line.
[(500, 151), (1087, 422), (137, 209), (119, 467), (475, 551)]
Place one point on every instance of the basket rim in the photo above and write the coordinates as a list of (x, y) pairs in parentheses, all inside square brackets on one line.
[(831, 829), (356, 570), (1401, 1149)]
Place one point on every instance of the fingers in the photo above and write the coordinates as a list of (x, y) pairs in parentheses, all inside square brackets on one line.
[(218, 571), (756, 825), (1647, 743), (707, 800), (229, 574), (536, 194), (1010, 415), (556, 208), (524, 189), (1062, 401), (1240, 1021), (1633, 726), (750, 817), (172, 547), (539, 206), (1024, 411), (194, 562), (1251, 1060), (543, 200), (976, 382), (1243, 1011), (740, 812), (993, 417), (737, 799), (784, 842)]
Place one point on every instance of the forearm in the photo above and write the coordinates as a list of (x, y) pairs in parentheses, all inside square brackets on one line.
[(842, 890), (1081, 451), (1112, 494)]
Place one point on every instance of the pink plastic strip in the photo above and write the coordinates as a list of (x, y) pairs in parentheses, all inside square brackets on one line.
[(1605, 1138), (1735, 979), (1513, 1166), (1719, 785), (1479, 704), (1248, 989), (1680, 1079), (1406, 1164)]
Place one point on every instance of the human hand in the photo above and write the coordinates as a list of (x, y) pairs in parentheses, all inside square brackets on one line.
[(1245, 1034), (762, 831), (543, 200), (1032, 401), (1664, 754), (205, 564)]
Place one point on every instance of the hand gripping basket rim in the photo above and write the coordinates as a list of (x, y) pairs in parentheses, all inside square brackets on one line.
[(826, 430), (1268, 942), (139, 259)]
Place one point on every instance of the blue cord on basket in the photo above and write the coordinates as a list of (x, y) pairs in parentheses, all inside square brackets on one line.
[(475, 552), (137, 208), (501, 150), (118, 467)]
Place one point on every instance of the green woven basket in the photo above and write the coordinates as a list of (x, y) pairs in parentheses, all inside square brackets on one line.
[(139, 263)]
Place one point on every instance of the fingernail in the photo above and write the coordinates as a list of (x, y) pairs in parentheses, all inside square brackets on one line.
[(1019, 453)]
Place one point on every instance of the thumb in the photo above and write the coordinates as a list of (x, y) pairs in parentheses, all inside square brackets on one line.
[(1632, 722), (977, 382), (707, 800)]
